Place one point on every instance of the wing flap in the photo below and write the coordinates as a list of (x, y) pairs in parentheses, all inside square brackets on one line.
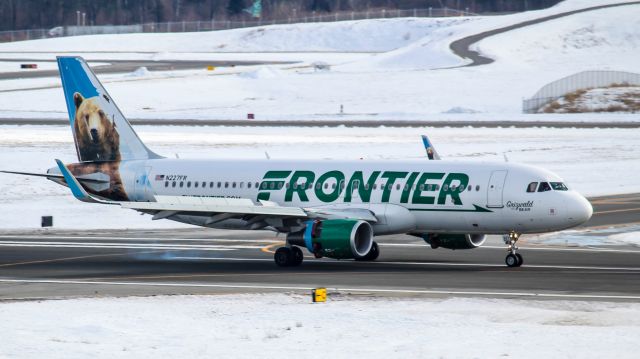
[(205, 205)]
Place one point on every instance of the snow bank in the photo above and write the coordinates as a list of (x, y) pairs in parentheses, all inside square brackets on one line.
[(369, 36), (261, 73), (278, 325)]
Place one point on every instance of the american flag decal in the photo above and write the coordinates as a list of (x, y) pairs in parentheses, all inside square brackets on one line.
[(159, 177)]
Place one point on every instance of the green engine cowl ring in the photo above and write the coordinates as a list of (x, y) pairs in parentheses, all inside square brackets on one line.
[(340, 238)]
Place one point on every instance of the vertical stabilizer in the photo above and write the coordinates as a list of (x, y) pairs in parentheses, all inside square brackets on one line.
[(100, 131), (428, 147)]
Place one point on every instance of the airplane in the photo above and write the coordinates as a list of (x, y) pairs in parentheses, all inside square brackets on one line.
[(333, 208)]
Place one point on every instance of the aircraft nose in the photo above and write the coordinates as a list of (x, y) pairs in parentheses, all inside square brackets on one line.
[(580, 210)]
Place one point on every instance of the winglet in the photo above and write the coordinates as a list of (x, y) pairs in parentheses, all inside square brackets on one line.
[(76, 188), (431, 151)]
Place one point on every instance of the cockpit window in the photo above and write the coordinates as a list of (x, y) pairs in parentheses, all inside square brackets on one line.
[(544, 187), (532, 187), (559, 186)]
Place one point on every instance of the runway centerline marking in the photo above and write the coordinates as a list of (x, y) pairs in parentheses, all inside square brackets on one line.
[(331, 289)]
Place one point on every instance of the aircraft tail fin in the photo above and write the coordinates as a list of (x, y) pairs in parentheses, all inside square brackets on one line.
[(432, 154), (100, 131)]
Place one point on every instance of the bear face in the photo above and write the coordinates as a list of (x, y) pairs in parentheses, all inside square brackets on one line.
[(96, 136)]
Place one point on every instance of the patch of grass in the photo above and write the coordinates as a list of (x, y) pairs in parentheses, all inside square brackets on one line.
[(571, 97)]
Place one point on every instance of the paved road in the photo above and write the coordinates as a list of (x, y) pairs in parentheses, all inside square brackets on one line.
[(124, 66), (462, 47), (64, 264)]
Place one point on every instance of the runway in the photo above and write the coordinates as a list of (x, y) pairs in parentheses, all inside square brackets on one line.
[(198, 261)]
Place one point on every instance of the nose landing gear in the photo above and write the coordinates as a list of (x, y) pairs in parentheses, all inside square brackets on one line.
[(513, 259)]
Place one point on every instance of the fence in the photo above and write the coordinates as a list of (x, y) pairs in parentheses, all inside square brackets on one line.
[(581, 80), (212, 25)]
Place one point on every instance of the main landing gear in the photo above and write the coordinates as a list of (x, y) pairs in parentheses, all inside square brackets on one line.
[(288, 256), (513, 259)]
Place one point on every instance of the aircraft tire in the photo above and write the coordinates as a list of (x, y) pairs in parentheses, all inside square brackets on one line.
[(511, 260), (296, 256), (373, 254), (520, 260), (283, 256)]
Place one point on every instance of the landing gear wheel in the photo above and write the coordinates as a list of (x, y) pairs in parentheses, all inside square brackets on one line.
[(373, 254), (511, 260), (296, 256), (283, 256), (520, 260)]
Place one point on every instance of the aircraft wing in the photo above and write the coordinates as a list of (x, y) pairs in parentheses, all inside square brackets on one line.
[(217, 209), (57, 176)]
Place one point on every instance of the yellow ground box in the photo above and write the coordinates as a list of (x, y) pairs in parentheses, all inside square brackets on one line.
[(319, 295), (211, 68)]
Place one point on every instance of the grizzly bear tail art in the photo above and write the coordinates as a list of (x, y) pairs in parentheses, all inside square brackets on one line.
[(100, 131)]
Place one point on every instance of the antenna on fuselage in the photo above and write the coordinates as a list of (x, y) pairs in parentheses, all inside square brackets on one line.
[(267, 154), (178, 157), (504, 154)]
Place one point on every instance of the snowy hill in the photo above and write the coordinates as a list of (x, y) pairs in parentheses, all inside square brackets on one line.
[(392, 83)]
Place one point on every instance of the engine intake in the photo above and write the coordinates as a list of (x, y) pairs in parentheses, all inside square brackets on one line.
[(454, 241), (335, 238)]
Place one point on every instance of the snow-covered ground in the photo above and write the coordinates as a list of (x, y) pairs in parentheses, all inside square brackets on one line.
[(609, 99), (289, 326), (593, 161), (397, 81)]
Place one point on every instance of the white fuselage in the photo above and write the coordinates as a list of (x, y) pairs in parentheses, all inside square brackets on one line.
[(406, 196)]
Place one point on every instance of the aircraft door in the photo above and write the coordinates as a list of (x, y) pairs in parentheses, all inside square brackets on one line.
[(143, 190), (495, 188)]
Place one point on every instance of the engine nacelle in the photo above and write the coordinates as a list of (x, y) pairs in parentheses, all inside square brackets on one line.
[(454, 241), (335, 238)]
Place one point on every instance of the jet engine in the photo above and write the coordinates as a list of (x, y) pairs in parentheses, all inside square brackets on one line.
[(335, 238), (454, 241)]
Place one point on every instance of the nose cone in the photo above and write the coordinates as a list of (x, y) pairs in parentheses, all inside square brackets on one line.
[(579, 210)]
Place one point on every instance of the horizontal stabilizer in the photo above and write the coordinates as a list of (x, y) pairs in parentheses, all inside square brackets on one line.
[(76, 188)]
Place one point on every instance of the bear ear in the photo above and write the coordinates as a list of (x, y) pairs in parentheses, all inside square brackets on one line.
[(77, 99)]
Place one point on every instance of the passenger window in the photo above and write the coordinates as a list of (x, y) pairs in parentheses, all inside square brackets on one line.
[(241, 184), (469, 188), (189, 184), (210, 184), (181, 184), (326, 185), (257, 185), (477, 188), (366, 186), (445, 187), (166, 184), (195, 184), (532, 187), (272, 185), (204, 184), (375, 186), (233, 185), (248, 184), (559, 186), (333, 186), (422, 187), (219, 184), (544, 187), (264, 185), (279, 185), (173, 184), (226, 185)]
